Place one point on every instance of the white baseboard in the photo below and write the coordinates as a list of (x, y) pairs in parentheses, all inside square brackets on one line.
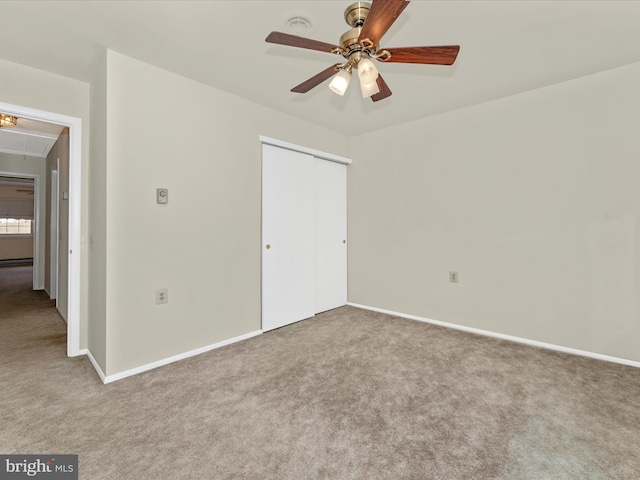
[(166, 361), (97, 368), (64, 317), (486, 333)]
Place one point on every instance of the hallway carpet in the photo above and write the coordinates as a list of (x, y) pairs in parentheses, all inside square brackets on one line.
[(350, 394)]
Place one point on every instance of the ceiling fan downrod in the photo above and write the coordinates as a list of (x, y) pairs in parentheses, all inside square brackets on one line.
[(351, 46)]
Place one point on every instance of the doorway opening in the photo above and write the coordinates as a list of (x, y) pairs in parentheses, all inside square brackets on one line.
[(75, 208)]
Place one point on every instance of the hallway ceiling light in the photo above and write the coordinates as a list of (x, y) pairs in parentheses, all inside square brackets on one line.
[(7, 120)]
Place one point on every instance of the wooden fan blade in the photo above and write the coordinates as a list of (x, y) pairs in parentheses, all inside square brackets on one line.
[(316, 80), (296, 41), (385, 91), (380, 17), (444, 55)]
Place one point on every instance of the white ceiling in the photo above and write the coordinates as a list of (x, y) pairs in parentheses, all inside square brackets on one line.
[(29, 137), (507, 47)]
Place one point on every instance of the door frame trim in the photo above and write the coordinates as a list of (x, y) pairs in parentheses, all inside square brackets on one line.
[(54, 227), (317, 154), (75, 213)]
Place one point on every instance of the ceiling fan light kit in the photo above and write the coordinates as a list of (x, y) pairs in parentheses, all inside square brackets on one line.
[(340, 82), (369, 22), (7, 120), (367, 71), (369, 89)]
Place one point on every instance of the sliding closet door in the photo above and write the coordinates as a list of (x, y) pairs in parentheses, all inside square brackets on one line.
[(330, 183), (288, 231)]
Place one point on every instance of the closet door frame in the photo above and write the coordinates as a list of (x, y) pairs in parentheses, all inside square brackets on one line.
[(269, 323), (298, 148)]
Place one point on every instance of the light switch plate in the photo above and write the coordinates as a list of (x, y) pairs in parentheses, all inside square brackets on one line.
[(162, 195)]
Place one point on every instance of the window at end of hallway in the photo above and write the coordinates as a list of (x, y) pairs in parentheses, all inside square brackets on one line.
[(15, 226)]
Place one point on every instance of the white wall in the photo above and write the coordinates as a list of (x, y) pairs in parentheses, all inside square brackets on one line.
[(58, 157), (533, 199), (204, 246), (15, 248), (29, 87), (97, 253)]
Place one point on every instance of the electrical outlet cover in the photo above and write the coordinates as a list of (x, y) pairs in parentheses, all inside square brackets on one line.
[(162, 295)]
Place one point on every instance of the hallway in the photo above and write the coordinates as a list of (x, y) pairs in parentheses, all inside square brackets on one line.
[(33, 347), (28, 318), (34, 367)]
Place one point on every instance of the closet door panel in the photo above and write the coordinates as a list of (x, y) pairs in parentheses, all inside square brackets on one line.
[(288, 230), (330, 183)]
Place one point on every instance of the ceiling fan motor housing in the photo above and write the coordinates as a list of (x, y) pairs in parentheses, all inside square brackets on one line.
[(349, 40), (355, 15)]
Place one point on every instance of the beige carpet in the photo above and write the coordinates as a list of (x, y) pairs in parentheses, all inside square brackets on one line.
[(348, 395)]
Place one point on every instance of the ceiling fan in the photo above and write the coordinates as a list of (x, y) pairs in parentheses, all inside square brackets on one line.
[(369, 22)]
